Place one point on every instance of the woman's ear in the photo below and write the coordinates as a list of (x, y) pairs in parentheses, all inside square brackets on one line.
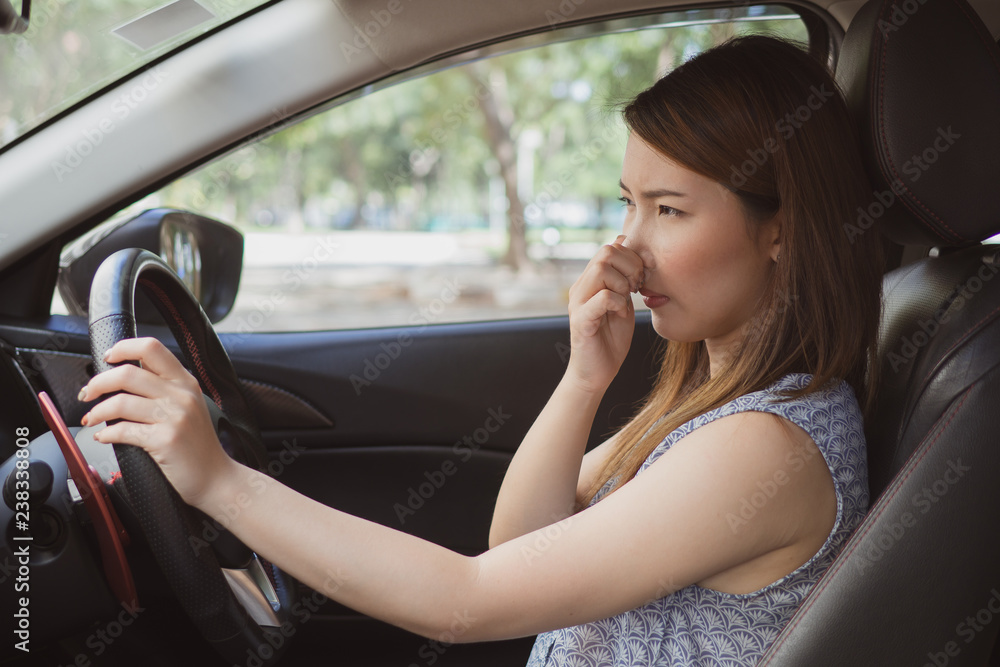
[(771, 236)]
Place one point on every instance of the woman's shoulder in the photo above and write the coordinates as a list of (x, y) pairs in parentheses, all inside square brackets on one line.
[(835, 397), (833, 390), (829, 414), (780, 396), (831, 409)]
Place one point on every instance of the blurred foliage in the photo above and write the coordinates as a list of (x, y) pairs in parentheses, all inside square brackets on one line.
[(470, 147), (70, 51), (417, 156)]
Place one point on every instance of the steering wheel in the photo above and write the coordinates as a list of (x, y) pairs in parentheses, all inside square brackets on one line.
[(241, 609)]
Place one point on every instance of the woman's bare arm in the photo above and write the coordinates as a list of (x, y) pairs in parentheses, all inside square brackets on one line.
[(664, 530), (542, 481), (540, 486)]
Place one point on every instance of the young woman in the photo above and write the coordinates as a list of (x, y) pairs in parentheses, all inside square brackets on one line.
[(690, 537)]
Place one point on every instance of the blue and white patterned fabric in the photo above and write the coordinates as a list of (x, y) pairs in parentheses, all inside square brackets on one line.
[(702, 627)]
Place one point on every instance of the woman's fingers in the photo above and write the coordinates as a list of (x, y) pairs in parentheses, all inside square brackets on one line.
[(159, 392), (628, 263), (614, 267), (601, 314), (605, 286), (134, 409), (125, 433), (592, 312), (160, 408), (152, 354), (159, 366), (128, 378)]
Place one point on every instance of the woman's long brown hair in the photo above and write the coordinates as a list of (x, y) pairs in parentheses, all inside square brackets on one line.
[(766, 120)]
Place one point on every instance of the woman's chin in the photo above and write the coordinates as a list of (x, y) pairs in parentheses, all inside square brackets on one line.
[(666, 327)]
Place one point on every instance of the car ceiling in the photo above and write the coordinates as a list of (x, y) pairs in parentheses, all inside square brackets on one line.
[(207, 98)]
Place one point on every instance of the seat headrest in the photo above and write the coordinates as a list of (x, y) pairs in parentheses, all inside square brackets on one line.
[(922, 79)]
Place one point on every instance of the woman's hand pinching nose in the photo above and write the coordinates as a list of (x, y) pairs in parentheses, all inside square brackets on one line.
[(642, 281), (646, 272), (643, 272)]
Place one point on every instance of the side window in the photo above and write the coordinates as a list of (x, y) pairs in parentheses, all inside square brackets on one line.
[(475, 192)]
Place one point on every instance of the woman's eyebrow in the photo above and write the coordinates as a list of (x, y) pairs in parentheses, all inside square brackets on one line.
[(653, 194)]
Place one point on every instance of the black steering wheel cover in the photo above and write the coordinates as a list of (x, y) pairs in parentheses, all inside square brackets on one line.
[(169, 524)]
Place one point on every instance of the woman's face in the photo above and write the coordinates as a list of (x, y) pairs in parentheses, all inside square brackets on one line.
[(704, 273)]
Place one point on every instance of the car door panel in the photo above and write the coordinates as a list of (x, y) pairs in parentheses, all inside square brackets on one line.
[(422, 445), (412, 428)]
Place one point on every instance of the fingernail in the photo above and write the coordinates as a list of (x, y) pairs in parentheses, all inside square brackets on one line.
[(82, 396), (85, 419), (107, 353)]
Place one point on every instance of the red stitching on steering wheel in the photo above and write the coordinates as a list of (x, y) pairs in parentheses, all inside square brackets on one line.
[(188, 341)]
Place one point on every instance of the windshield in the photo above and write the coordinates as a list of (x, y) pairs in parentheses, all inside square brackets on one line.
[(73, 49)]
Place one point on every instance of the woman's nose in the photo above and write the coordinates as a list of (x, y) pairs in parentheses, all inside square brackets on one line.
[(636, 242)]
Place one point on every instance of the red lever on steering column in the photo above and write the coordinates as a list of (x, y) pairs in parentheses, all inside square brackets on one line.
[(111, 535)]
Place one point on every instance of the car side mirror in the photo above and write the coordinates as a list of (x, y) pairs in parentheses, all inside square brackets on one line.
[(206, 254), (12, 22)]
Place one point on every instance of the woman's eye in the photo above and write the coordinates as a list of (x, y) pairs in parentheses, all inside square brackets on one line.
[(667, 210), (626, 201)]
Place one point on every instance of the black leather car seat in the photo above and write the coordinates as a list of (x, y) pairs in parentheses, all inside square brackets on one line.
[(918, 584)]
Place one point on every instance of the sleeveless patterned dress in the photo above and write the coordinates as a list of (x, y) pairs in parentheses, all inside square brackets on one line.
[(701, 627)]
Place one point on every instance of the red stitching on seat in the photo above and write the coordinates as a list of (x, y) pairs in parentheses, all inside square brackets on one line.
[(188, 341), (885, 142), (881, 126), (980, 30), (961, 340), (856, 539)]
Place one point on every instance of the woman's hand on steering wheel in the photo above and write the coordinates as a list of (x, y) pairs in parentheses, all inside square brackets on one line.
[(601, 315), (162, 410)]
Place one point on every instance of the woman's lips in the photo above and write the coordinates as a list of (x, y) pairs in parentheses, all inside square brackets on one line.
[(653, 299)]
